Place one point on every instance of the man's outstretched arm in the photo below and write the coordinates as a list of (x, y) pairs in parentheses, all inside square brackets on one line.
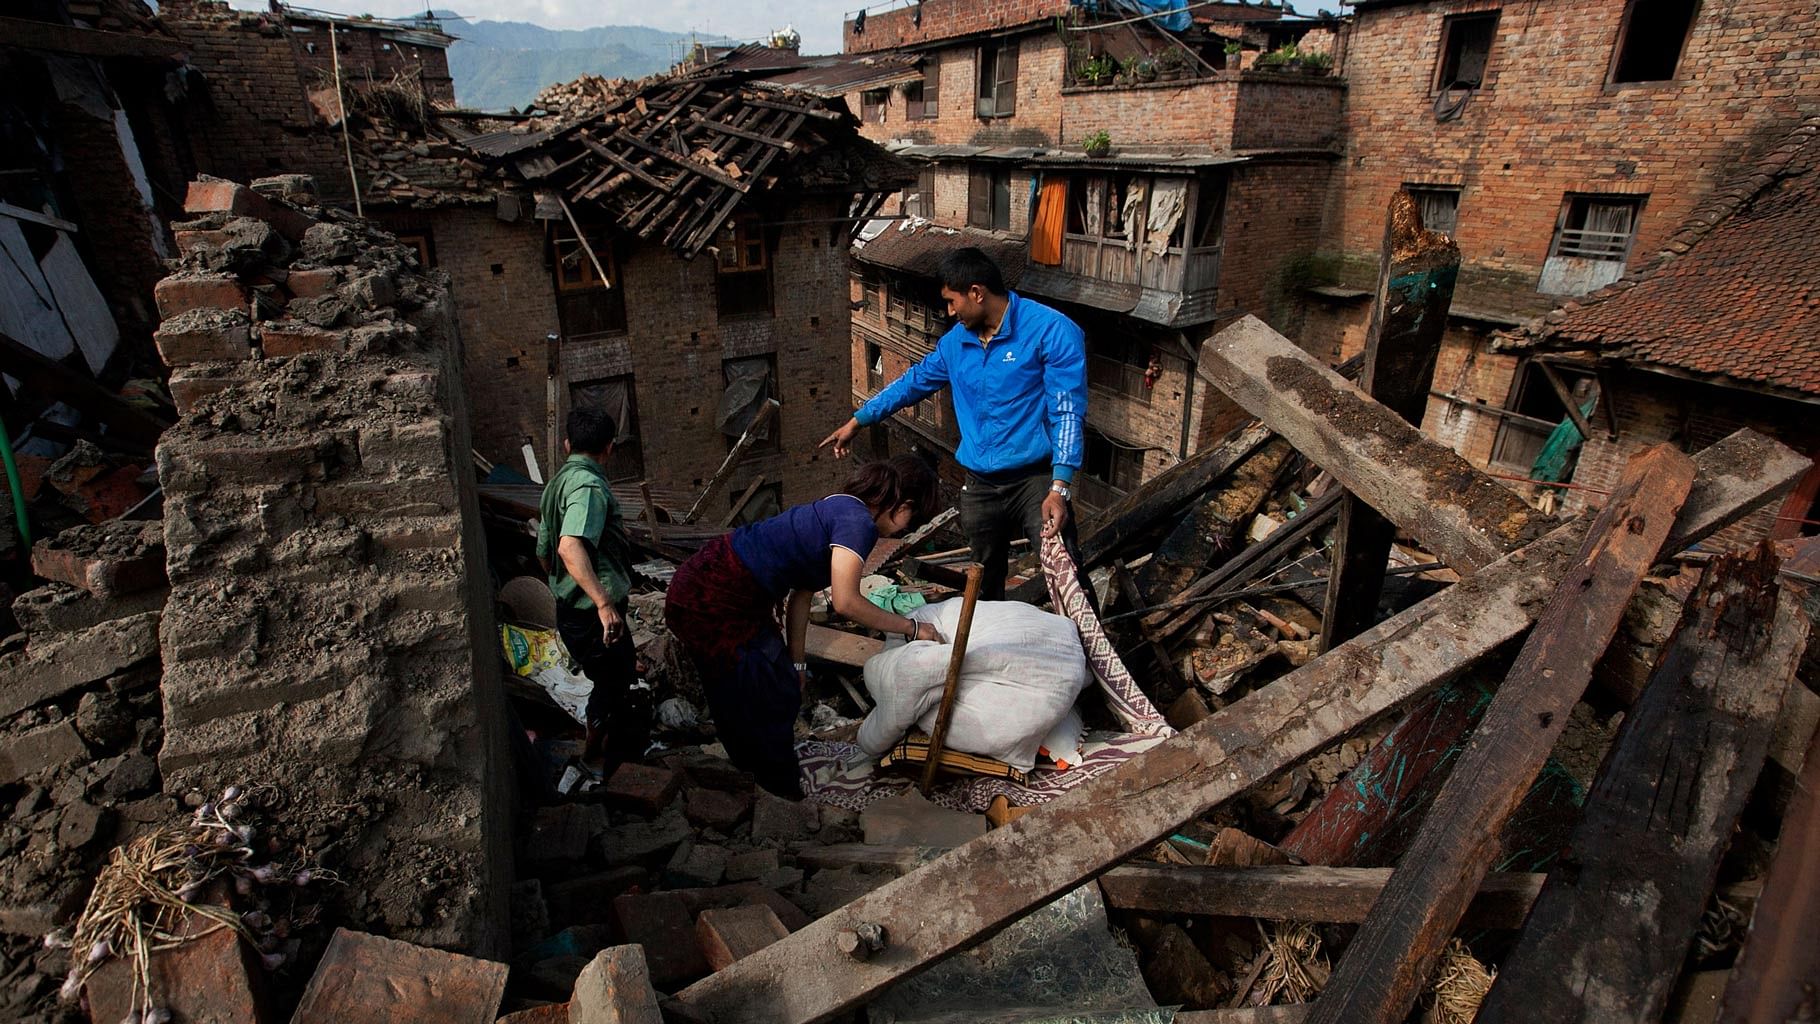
[(928, 376)]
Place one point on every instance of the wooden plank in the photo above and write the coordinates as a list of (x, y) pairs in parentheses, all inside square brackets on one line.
[(1607, 938), (1296, 893), (841, 647), (1166, 494), (1293, 1013), (786, 145), (43, 376), (969, 893), (747, 439), (625, 165), (1186, 609), (86, 42), (1774, 977), (1415, 287), (1214, 530), (1421, 485), (1385, 968), (1567, 398), (687, 163), (740, 502)]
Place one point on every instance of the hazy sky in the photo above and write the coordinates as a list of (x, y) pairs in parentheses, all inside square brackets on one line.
[(819, 21)]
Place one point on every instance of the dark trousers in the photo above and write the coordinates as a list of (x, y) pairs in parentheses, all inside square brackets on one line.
[(755, 709), (625, 712), (997, 509)]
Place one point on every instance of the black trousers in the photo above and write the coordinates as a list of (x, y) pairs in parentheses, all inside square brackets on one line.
[(624, 711), (997, 509)]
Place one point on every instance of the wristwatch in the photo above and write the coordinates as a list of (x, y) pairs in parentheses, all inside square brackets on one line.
[(800, 666), (1060, 488)]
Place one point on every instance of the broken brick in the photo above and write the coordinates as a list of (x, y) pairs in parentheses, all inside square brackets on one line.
[(696, 864), (727, 935), (563, 832), (215, 195), (81, 562), (615, 989), (715, 809), (364, 978), (282, 338), (784, 821), (745, 894), (211, 977), (642, 842), (661, 922), (313, 282), (62, 608), (548, 1013), (641, 788), (744, 867), (175, 295), (204, 336), (45, 747)]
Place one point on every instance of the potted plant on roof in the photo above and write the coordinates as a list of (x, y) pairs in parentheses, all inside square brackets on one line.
[(1282, 59), (1096, 71), (1234, 56), (1143, 69), (1171, 64), (1317, 63), (1097, 144)]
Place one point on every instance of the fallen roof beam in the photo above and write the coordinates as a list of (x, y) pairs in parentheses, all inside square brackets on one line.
[(1421, 485), (1607, 939), (1296, 893), (1166, 494), (1388, 963), (87, 42), (971, 892)]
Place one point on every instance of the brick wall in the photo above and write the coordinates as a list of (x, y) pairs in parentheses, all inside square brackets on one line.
[(329, 631), (943, 19), (1287, 112), (1273, 224), (673, 346), (372, 54), (1037, 117), (1158, 114), (1546, 123)]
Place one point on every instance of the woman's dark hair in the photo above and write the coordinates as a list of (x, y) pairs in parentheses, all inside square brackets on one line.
[(967, 266), (886, 485)]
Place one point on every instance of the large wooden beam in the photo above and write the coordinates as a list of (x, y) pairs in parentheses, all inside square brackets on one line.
[(1611, 928), (1296, 893), (1166, 495), (1775, 975), (1387, 964), (971, 892), (85, 42), (1421, 485), (1416, 274)]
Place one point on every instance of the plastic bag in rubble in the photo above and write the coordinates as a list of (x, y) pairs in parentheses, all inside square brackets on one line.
[(679, 715), (529, 651), (570, 690)]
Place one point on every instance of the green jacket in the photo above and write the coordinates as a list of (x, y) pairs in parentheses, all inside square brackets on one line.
[(577, 502)]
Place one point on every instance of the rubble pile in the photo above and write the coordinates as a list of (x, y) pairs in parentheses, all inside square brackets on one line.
[(80, 728)]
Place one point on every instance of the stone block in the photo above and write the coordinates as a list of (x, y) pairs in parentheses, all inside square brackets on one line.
[(777, 820), (59, 663), (282, 338), (753, 864), (46, 746), (61, 608), (210, 979), (745, 894), (589, 899), (364, 978), (204, 336), (726, 935), (371, 291), (716, 809), (908, 819), (615, 989), (696, 865), (176, 295), (642, 842), (661, 922), (192, 239), (641, 788)]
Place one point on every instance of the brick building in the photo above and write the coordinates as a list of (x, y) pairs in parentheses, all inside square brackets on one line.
[(264, 83), (1216, 179), (1560, 144), (1720, 329)]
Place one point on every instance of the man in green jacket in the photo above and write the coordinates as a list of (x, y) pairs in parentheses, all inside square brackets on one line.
[(581, 542)]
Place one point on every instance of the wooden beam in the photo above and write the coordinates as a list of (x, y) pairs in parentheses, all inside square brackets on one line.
[(1166, 494), (969, 893), (740, 503), (1388, 963), (1293, 1013), (1566, 396), (1213, 531), (1295, 893), (747, 439), (1416, 274), (1609, 933), (687, 163), (841, 647), (1421, 485), (78, 390), (1186, 608), (786, 145), (625, 165), (86, 42), (1774, 976)]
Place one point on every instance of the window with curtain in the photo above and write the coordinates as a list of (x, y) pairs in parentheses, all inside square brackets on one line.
[(618, 397), (1598, 227)]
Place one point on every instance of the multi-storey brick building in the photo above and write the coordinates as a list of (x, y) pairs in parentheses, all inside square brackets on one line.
[(1216, 180), (1559, 143)]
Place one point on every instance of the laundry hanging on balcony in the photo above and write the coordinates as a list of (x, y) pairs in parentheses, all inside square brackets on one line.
[(1167, 200), (1046, 231)]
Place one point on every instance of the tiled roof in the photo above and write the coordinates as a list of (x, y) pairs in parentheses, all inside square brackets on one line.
[(917, 246), (1735, 294)]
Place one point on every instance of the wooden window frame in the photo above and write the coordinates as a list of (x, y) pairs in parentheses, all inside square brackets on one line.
[(578, 282), (872, 104), (1635, 201), (1449, 27), (982, 187), (744, 254), (1623, 36), (995, 87), (927, 105), (1417, 191)]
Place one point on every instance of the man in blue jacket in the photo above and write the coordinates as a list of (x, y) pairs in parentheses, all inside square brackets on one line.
[(1017, 371)]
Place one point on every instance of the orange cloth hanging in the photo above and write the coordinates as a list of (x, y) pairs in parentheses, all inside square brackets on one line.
[(1046, 232)]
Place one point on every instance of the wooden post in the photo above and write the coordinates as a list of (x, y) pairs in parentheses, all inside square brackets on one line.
[(997, 878), (746, 440), (553, 403), (952, 685), (1774, 976), (740, 503), (644, 492), (1389, 961), (1566, 395), (1294, 893), (1415, 288), (1610, 931)]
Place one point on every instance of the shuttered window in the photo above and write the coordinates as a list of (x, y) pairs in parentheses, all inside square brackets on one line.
[(997, 79)]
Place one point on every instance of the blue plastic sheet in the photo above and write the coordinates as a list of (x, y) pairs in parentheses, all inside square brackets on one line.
[(1177, 20)]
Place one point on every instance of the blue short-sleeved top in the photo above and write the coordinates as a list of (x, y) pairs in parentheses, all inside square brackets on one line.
[(789, 551)]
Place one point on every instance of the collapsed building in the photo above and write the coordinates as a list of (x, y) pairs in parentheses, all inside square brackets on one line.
[(259, 726)]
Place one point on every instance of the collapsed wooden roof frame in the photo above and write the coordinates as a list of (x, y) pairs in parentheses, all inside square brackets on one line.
[(673, 161)]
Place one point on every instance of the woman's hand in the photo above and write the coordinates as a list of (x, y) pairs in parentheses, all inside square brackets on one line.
[(927, 631)]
